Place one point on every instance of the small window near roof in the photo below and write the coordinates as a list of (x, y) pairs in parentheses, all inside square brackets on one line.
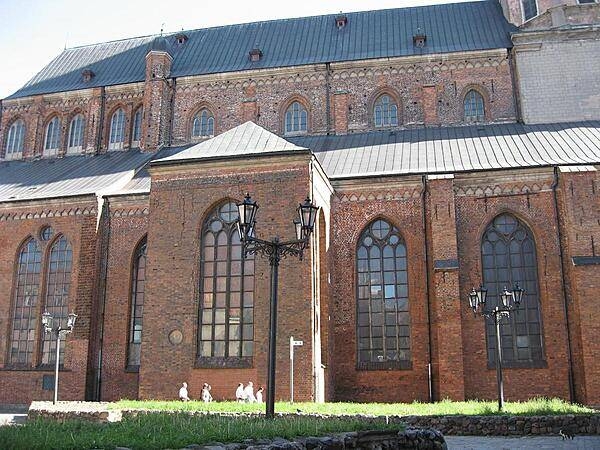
[(203, 124), (296, 119), (14, 140), (474, 107), (52, 137), (530, 9), (76, 134), (117, 130), (137, 128), (385, 112)]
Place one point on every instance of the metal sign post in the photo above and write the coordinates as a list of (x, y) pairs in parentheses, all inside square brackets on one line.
[(293, 344)]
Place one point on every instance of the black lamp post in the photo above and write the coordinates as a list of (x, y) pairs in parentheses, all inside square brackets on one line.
[(274, 250), (509, 301), (59, 332)]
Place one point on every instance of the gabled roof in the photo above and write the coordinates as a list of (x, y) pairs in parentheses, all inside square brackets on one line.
[(477, 25), (244, 140), (455, 149)]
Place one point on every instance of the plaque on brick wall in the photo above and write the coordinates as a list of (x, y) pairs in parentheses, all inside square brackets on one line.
[(175, 337), (48, 382)]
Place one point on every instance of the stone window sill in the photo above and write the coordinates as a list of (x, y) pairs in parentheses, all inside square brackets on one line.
[(205, 362), (384, 365)]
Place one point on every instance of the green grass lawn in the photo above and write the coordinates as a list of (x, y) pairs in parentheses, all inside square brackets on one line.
[(160, 431), (539, 406)]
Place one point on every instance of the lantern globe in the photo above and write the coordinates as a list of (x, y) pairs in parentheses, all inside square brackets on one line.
[(517, 293), (308, 214)]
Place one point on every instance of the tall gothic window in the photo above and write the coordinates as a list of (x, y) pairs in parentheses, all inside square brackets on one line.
[(15, 139), (474, 107), (508, 256), (383, 319), (136, 133), (26, 311), (385, 112), (76, 134), (530, 9), (296, 119), (58, 283), (226, 336), (52, 139), (138, 289), (203, 124), (117, 130)]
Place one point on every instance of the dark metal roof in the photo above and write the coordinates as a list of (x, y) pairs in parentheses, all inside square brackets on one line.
[(478, 25), (455, 149), (68, 176)]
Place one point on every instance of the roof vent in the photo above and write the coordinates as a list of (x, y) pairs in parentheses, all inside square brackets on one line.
[(87, 75), (419, 39), (341, 20), (181, 38), (255, 54)]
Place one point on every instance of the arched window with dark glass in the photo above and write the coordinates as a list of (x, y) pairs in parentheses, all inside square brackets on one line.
[(474, 107), (508, 256), (296, 119), (15, 139), (382, 313), (138, 289), (226, 331), (385, 112), (76, 134), (58, 284), (136, 132), (203, 124), (25, 311), (116, 138), (52, 140)]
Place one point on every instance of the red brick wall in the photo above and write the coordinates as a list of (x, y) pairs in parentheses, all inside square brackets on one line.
[(179, 203), (22, 386), (352, 211), (476, 206), (128, 226)]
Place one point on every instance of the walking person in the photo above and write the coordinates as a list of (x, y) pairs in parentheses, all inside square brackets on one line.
[(206, 397), (249, 392), (259, 395), (183, 393), (240, 394)]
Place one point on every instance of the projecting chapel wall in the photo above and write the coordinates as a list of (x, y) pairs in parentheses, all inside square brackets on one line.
[(528, 196), (76, 221)]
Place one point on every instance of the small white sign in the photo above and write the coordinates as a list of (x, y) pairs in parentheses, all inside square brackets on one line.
[(297, 343)]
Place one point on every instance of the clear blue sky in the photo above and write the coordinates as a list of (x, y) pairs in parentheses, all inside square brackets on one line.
[(33, 32)]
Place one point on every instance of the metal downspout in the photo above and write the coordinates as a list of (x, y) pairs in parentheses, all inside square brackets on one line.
[(427, 290), (572, 395)]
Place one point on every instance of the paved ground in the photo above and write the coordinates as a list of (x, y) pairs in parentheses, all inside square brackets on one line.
[(522, 443)]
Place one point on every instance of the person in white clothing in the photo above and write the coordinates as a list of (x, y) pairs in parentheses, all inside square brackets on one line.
[(249, 392), (259, 395), (206, 397), (183, 393), (240, 394)]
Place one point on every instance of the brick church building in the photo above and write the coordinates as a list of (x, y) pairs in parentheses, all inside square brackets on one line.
[(446, 146)]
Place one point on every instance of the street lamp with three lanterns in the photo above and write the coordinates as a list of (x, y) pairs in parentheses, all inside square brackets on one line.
[(509, 302), (275, 250), (61, 333)]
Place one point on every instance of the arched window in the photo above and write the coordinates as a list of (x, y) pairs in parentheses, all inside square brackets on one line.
[(385, 112), (530, 9), (296, 119), (52, 140), (117, 130), (508, 256), (136, 132), (25, 313), (15, 140), (382, 313), (474, 107), (226, 336), (76, 134), (203, 124), (58, 284), (138, 289)]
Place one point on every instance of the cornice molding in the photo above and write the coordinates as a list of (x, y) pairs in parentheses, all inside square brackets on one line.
[(47, 213)]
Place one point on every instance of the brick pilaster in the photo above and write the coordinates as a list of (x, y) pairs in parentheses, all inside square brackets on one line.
[(340, 112)]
